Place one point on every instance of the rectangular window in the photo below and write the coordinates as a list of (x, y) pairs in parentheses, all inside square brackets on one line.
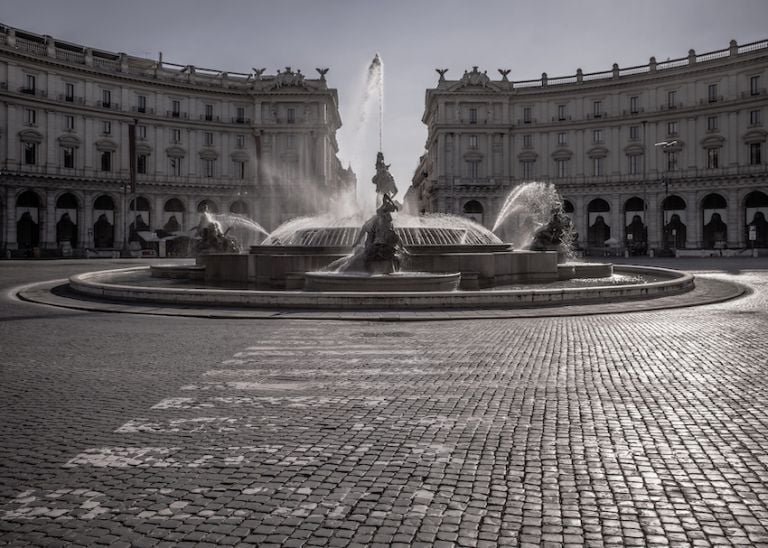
[(106, 128), (671, 161), (634, 164), (29, 86), (597, 167), (291, 115), (634, 133), (597, 136), (30, 153), (174, 165), (106, 161), (672, 128), (754, 117), (473, 141), (141, 164), (527, 115), (561, 112), (141, 103), (711, 123), (713, 155), (141, 132), (208, 167), (562, 168), (208, 138), (240, 115), (239, 169), (69, 157), (527, 168), (597, 109), (209, 113), (754, 83), (755, 154), (106, 98), (472, 170), (672, 99), (69, 122), (712, 93), (473, 116), (175, 109), (69, 93), (527, 141), (561, 138), (176, 136), (241, 141), (634, 102), (31, 117)]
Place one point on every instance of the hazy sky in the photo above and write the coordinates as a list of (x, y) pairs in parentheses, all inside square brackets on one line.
[(412, 36)]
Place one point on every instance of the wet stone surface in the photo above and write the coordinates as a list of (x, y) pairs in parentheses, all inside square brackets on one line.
[(642, 429)]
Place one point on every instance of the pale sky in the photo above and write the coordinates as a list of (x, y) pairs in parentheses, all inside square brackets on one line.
[(413, 37)]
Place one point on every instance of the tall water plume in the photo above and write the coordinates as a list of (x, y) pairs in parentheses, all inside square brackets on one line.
[(527, 208)]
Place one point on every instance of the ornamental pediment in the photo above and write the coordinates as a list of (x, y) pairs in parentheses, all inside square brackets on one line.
[(30, 136), (634, 150), (597, 152), (143, 148), (713, 141), (475, 79), (106, 145), (175, 152), (240, 155), (72, 141), (562, 154), (473, 156), (527, 156), (208, 154), (755, 136)]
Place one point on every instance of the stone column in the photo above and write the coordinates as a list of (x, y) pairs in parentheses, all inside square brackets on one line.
[(85, 222), (735, 220), (653, 221), (694, 234), (48, 228), (617, 222), (581, 221), (10, 219)]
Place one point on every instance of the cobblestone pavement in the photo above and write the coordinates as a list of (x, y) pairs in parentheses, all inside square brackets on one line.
[(639, 429)]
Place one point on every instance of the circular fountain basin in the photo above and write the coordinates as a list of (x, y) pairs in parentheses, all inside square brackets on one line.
[(396, 282)]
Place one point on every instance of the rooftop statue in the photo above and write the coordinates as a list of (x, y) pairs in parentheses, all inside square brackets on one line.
[(475, 78)]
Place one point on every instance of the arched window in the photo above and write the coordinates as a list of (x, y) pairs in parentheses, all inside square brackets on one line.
[(104, 225), (673, 203), (756, 215), (174, 205), (634, 204), (27, 220), (28, 199), (568, 207), (104, 202), (714, 201), (239, 207), (474, 210), (714, 209), (66, 201), (212, 207), (598, 229)]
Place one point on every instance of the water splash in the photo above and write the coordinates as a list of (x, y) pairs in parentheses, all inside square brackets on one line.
[(246, 231), (527, 208)]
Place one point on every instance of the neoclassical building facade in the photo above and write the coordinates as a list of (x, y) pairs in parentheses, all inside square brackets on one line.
[(660, 156), (253, 144)]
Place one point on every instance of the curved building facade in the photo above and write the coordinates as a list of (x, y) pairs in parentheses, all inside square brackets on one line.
[(255, 144), (665, 156)]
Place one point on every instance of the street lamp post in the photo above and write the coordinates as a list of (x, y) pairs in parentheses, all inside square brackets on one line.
[(666, 147)]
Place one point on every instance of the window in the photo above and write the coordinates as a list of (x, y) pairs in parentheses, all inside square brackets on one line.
[(527, 168), (29, 86), (176, 136), (597, 136), (634, 133), (597, 166), (472, 169), (208, 167), (141, 164), (208, 138), (634, 104), (69, 93), (712, 93), (174, 165), (754, 117), (527, 140), (30, 153), (561, 112), (755, 156), (291, 115), (141, 132), (69, 157), (527, 115), (713, 156), (561, 138), (561, 168), (473, 141), (209, 112), (672, 99), (31, 117), (672, 128), (473, 116), (106, 160), (671, 161), (754, 82), (241, 141), (175, 109), (69, 122), (712, 123), (239, 169), (106, 128), (634, 164), (106, 98), (142, 103), (597, 109), (240, 115)]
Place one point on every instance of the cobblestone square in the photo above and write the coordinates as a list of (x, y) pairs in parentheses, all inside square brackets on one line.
[(633, 429)]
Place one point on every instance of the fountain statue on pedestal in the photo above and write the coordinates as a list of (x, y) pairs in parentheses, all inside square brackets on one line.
[(385, 183), (556, 235), (211, 237)]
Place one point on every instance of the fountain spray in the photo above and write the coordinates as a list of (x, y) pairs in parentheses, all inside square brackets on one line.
[(376, 85)]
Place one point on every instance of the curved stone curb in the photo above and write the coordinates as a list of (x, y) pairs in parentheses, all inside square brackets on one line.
[(91, 284)]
